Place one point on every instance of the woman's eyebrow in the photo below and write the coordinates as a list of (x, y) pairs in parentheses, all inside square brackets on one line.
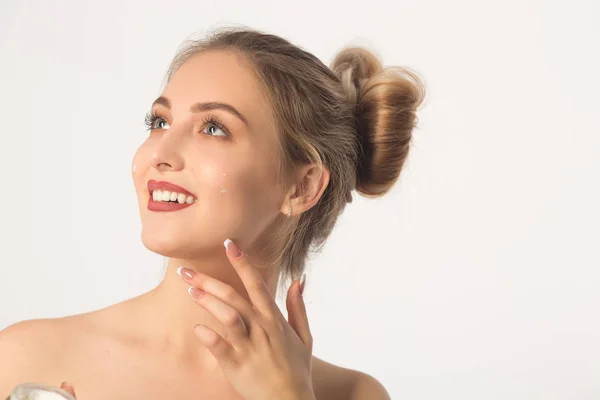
[(199, 107)]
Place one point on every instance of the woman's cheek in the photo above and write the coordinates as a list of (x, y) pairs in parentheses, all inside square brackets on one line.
[(237, 189), (226, 177), (223, 185), (212, 179), (135, 171)]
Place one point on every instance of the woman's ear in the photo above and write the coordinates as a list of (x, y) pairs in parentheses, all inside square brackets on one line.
[(311, 182)]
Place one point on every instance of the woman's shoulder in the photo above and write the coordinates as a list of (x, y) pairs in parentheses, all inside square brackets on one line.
[(30, 337), (334, 382), (29, 349), (33, 348), (41, 350), (46, 334)]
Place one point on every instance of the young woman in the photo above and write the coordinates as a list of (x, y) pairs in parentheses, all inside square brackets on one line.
[(253, 144)]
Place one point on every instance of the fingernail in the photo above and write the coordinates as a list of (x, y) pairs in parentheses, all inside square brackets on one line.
[(302, 282), (232, 248), (195, 292), (185, 273)]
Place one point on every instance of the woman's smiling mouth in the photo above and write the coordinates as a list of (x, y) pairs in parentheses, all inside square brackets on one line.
[(166, 196)]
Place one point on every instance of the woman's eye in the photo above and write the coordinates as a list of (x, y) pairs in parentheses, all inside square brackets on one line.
[(214, 130), (157, 123)]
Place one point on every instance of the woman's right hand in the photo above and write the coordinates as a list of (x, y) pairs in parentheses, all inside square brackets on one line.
[(68, 387)]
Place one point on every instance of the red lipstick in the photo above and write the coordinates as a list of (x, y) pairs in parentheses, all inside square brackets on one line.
[(163, 205), (164, 185)]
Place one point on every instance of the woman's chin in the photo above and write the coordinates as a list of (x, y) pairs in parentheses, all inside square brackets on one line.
[(177, 245), (161, 240)]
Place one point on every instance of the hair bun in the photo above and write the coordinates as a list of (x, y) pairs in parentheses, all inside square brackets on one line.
[(386, 101), (354, 66)]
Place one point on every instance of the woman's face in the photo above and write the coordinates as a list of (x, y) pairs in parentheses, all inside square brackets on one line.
[(227, 161)]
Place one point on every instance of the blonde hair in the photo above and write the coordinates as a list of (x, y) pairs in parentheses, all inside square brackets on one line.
[(355, 118)]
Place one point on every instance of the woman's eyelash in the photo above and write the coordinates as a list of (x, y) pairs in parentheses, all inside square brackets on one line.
[(150, 119), (210, 119), (214, 120)]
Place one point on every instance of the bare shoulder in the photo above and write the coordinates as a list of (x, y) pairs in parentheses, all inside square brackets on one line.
[(367, 387), (27, 350), (27, 339), (43, 350), (334, 382)]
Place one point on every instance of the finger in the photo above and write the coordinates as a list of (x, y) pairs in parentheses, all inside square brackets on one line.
[(68, 387), (234, 328), (220, 349), (297, 316), (218, 289), (255, 285)]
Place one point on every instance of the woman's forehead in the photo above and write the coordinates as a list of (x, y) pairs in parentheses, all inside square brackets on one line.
[(220, 76)]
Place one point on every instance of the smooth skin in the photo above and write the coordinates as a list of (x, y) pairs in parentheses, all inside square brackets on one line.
[(149, 347)]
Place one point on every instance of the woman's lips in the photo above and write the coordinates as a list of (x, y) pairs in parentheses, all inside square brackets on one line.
[(164, 185), (166, 206)]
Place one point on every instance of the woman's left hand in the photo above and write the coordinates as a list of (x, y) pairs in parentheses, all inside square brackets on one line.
[(261, 354)]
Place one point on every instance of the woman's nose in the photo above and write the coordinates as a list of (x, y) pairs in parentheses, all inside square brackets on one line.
[(167, 152), (164, 161)]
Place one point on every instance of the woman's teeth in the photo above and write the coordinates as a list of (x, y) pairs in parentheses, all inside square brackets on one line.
[(167, 196)]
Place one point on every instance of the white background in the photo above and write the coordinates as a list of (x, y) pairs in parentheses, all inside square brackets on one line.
[(476, 278)]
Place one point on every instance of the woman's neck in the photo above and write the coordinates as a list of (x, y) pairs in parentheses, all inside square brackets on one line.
[(167, 314)]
